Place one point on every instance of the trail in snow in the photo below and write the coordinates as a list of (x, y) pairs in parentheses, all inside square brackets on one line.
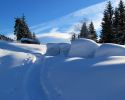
[(20, 72), (33, 87)]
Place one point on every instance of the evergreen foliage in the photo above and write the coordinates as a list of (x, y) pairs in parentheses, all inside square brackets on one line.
[(22, 32), (121, 23), (107, 24), (84, 31), (21, 29), (116, 26), (113, 24), (5, 38), (92, 33)]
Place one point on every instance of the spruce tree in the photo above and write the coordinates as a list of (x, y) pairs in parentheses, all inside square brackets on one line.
[(107, 24), (116, 26), (84, 31), (21, 29), (92, 32), (121, 31)]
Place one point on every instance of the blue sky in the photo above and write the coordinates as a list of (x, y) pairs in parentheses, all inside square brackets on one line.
[(38, 11)]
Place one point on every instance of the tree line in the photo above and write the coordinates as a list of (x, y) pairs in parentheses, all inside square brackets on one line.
[(86, 31), (112, 26), (3, 37)]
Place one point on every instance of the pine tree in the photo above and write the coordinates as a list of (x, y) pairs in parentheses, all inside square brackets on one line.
[(84, 31), (92, 33), (21, 29), (121, 31), (116, 26), (107, 25)]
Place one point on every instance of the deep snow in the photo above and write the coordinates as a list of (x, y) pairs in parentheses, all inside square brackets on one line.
[(20, 71), (83, 48), (27, 73)]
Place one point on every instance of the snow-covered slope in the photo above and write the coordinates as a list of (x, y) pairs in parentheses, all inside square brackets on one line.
[(27, 74), (19, 71), (109, 49), (78, 78), (85, 79)]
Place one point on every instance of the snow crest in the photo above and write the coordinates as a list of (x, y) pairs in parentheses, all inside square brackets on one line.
[(83, 48)]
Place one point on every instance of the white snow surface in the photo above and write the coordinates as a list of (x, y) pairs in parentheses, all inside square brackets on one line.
[(55, 49), (27, 73), (20, 66), (83, 48), (101, 78), (108, 49)]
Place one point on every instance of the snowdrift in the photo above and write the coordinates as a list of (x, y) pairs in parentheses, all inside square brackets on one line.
[(20, 71), (83, 48), (99, 78), (54, 49), (109, 49)]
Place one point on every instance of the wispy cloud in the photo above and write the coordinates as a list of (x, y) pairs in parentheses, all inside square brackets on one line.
[(54, 33)]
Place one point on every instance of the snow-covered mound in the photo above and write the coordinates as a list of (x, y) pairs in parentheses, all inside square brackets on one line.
[(20, 71), (29, 48), (54, 49), (83, 48), (101, 78), (14, 59), (64, 48), (109, 49)]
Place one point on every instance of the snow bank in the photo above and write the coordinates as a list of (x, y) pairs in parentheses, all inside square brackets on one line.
[(83, 48), (101, 78), (54, 49), (109, 49), (64, 48), (20, 71), (27, 48)]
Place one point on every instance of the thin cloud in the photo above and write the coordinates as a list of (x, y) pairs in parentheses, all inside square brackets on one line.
[(54, 33)]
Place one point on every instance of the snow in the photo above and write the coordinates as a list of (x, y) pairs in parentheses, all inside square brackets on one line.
[(109, 49), (54, 49), (64, 48), (19, 71), (99, 78), (83, 48), (28, 73)]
